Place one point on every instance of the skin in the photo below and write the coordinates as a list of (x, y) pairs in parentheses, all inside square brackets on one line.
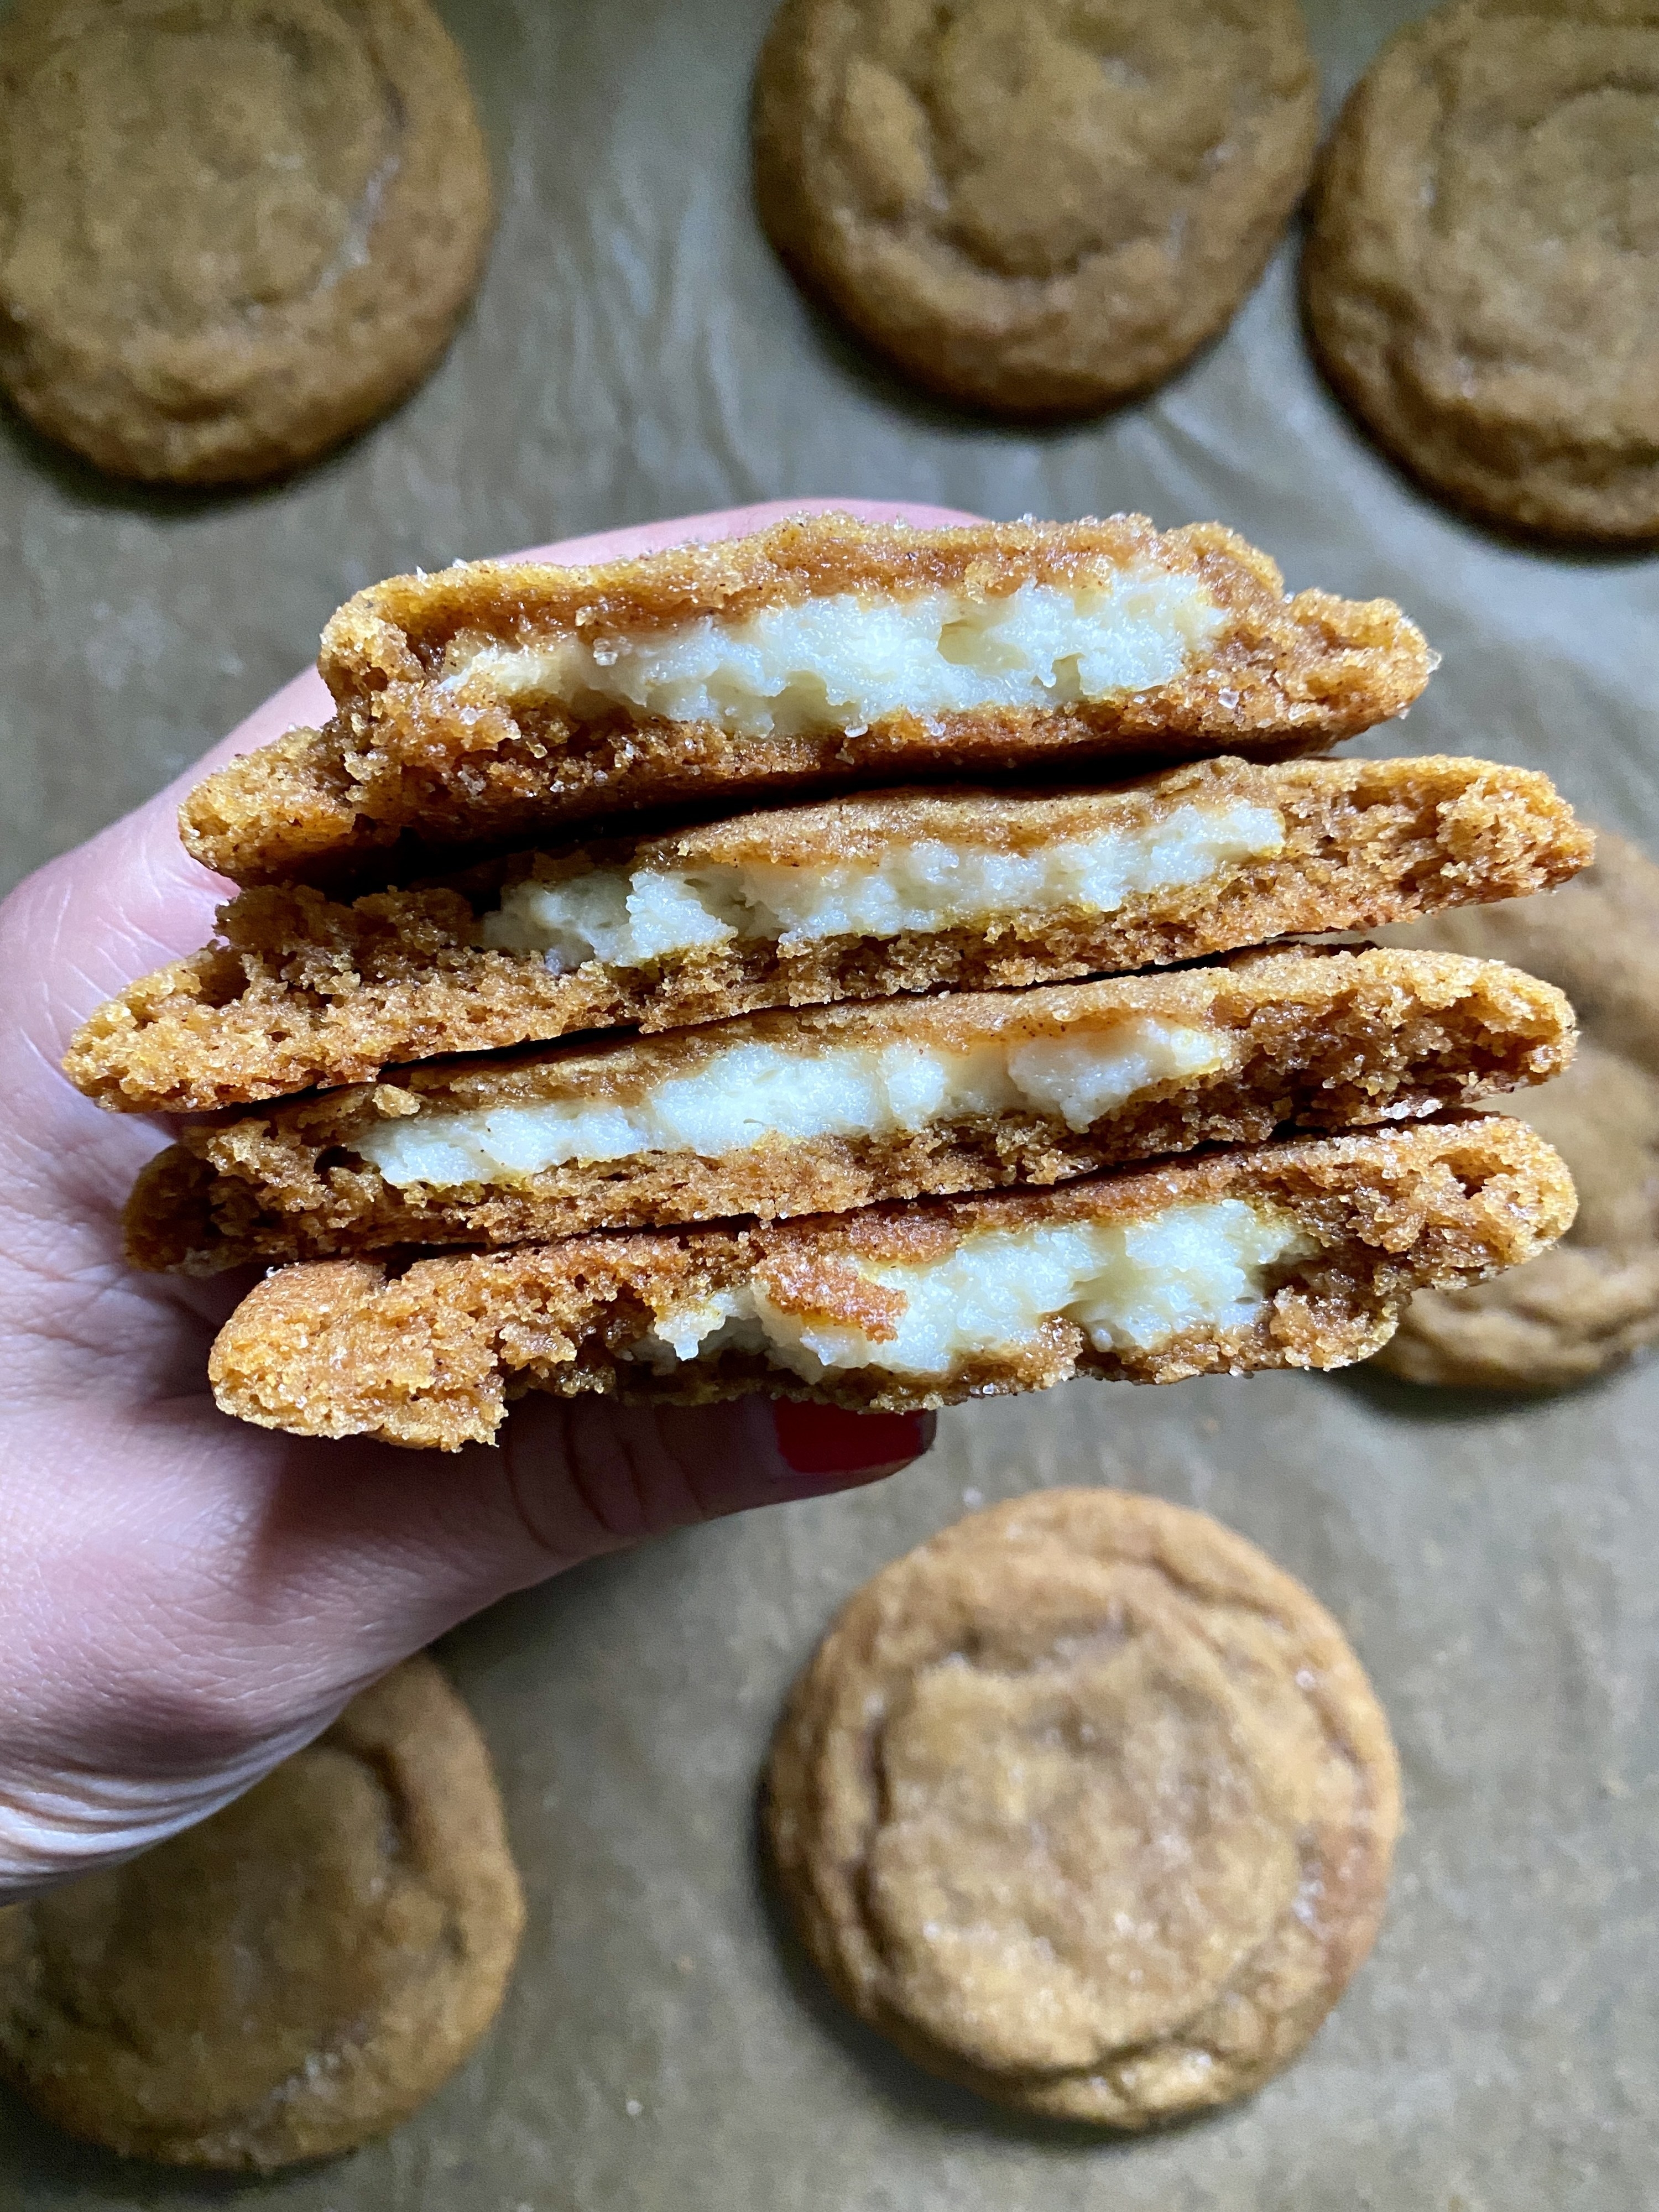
[(185, 1601)]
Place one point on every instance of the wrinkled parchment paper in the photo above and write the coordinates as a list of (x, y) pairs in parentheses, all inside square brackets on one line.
[(635, 353)]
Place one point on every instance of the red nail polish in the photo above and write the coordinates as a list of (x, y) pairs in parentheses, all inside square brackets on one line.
[(826, 1440)]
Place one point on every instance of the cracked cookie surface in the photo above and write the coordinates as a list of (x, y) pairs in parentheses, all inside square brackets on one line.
[(1033, 207), (232, 232), (292, 1977), (1482, 273), (1087, 1806)]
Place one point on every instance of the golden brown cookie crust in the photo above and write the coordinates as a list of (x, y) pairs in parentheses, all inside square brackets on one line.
[(429, 1357), (1314, 1039), (304, 990), (422, 753), (1593, 1301), (972, 1796), (1034, 207), (1482, 276), (296, 1975), (230, 233)]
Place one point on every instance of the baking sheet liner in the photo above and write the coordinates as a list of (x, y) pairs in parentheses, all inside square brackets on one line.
[(636, 353)]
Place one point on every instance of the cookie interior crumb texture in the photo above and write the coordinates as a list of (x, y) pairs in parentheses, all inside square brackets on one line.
[(293, 1977), (230, 233), (827, 1109), (1294, 1254), (1482, 273), (860, 898), (1087, 1806), (1594, 1300), (1033, 207), (493, 699)]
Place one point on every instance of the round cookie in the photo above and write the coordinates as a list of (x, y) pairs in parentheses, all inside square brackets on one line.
[(231, 231), (292, 1977), (1086, 1805), (1031, 206), (1482, 271), (1592, 1300)]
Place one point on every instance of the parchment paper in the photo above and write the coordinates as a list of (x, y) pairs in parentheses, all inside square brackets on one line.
[(636, 353)]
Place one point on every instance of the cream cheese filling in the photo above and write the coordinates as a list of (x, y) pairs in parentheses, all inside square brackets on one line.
[(842, 661), (630, 919), (1128, 1285), (749, 1094)]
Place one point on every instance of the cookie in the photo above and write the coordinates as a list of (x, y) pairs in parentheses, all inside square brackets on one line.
[(493, 700), (232, 232), (1033, 207), (820, 1112), (1593, 1301), (293, 1977), (860, 898), (1482, 271), (1293, 1255), (1087, 1806)]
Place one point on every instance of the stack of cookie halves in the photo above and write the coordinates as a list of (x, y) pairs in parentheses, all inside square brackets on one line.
[(747, 967)]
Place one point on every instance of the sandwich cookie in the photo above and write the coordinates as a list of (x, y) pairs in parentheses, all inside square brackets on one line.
[(493, 699), (1294, 1254), (822, 1111), (861, 897)]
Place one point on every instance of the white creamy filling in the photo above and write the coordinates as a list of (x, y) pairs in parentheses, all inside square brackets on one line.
[(1130, 1286), (740, 1098), (842, 661), (630, 920)]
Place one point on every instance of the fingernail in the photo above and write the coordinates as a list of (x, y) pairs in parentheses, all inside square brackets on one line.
[(826, 1440)]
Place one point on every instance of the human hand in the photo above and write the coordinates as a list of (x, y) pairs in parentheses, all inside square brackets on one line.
[(185, 1601)]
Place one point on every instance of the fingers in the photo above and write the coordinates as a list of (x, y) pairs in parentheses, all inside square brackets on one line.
[(588, 1477), (188, 1603), (377, 1551)]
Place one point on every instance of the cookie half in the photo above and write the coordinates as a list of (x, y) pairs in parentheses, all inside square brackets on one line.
[(293, 1977), (232, 232), (1592, 1301), (861, 897), (1295, 1255), (493, 700), (1034, 207), (1482, 271), (1087, 1806), (784, 1114)]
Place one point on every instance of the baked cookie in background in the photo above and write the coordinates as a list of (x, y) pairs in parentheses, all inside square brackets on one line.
[(1031, 206), (1482, 270), (1088, 1806), (232, 232), (296, 1975), (1592, 1300)]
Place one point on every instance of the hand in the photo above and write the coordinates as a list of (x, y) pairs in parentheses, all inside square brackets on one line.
[(184, 1600)]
